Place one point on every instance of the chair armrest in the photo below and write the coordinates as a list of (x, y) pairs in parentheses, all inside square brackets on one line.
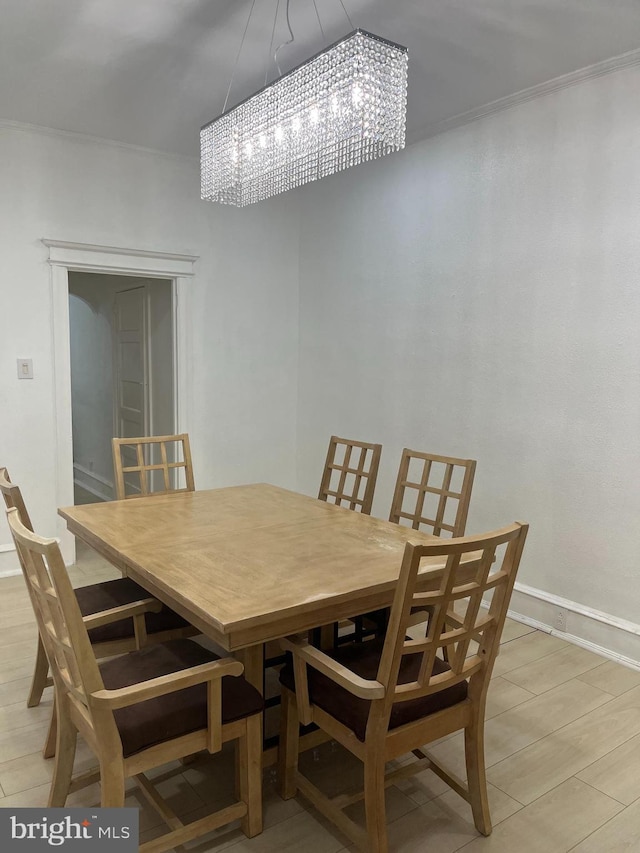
[(204, 672), (123, 611), (363, 687)]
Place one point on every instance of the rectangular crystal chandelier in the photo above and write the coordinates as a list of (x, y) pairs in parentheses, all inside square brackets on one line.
[(343, 106)]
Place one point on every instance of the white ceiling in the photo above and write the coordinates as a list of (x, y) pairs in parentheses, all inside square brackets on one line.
[(151, 72)]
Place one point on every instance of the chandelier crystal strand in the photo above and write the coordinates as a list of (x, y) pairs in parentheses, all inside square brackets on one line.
[(343, 106)]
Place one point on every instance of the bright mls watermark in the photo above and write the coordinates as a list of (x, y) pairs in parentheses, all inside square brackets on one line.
[(79, 830)]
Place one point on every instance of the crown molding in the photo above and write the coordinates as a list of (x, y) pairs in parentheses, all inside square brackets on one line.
[(598, 69), (89, 139)]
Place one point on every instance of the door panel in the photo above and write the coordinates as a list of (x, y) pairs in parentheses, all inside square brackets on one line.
[(131, 371)]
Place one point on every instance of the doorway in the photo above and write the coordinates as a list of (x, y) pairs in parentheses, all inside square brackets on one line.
[(65, 257), (122, 370)]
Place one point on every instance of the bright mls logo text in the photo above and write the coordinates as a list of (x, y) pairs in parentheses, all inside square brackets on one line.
[(108, 829), (57, 832)]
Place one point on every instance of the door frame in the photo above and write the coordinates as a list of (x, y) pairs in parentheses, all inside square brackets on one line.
[(65, 257)]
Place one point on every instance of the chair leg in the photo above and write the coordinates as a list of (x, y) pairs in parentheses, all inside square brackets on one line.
[(49, 748), (111, 784), (65, 755), (374, 802), (40, 673), (476, 776), (250, 775), (288, 745)]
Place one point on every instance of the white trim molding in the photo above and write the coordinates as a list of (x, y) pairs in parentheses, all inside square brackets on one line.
[(110, 259), (89, 139), (615, 638), (65, 256), (9, 566), (598, 69)]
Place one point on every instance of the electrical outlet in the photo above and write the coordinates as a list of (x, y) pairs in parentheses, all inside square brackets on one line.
[(560, 619)]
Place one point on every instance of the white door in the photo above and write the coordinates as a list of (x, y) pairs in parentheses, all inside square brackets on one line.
[(131, 369)]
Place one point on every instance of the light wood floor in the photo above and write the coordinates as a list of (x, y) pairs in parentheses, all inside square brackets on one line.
[(563, 752)]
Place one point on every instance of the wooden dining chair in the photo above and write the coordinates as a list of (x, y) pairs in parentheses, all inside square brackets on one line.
[(119, 614), (348, 479), (152, 465), (350, 473), (390, 696), (432, 493), (140, 710)]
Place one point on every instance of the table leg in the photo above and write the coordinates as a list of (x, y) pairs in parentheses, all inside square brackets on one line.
[(327, 637), (253, 659)]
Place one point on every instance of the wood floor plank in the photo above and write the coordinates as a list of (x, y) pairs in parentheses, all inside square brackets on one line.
[(525, 649), (504, 695), (612, 677), (542, 766), (534, 720), (16, 691), (619, 835), (617, 773), (552, 824), (443, 825), (512, 630), (548, 672)]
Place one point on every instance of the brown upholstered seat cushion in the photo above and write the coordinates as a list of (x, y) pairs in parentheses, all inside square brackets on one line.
[(363, 659), (166, 717), (104, 596)]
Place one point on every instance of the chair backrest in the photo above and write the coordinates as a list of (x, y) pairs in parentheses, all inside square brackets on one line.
[(13, 500), (13, 497), (350, 473), (138, 462), (64, 636), (474, 567), (433, 491)]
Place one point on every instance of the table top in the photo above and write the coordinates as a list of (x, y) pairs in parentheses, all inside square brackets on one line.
[(247, 564)]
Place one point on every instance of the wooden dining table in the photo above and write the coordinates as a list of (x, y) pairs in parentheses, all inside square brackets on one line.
[(249, 564)]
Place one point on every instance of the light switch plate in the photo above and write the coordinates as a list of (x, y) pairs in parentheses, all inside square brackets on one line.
[(25, 368)]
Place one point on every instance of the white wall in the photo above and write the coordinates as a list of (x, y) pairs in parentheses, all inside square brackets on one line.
[(243, 326), (477, 295)]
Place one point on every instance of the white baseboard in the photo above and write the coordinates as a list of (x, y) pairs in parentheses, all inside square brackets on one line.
[(92, 482), (9, 565), (600, 632)]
